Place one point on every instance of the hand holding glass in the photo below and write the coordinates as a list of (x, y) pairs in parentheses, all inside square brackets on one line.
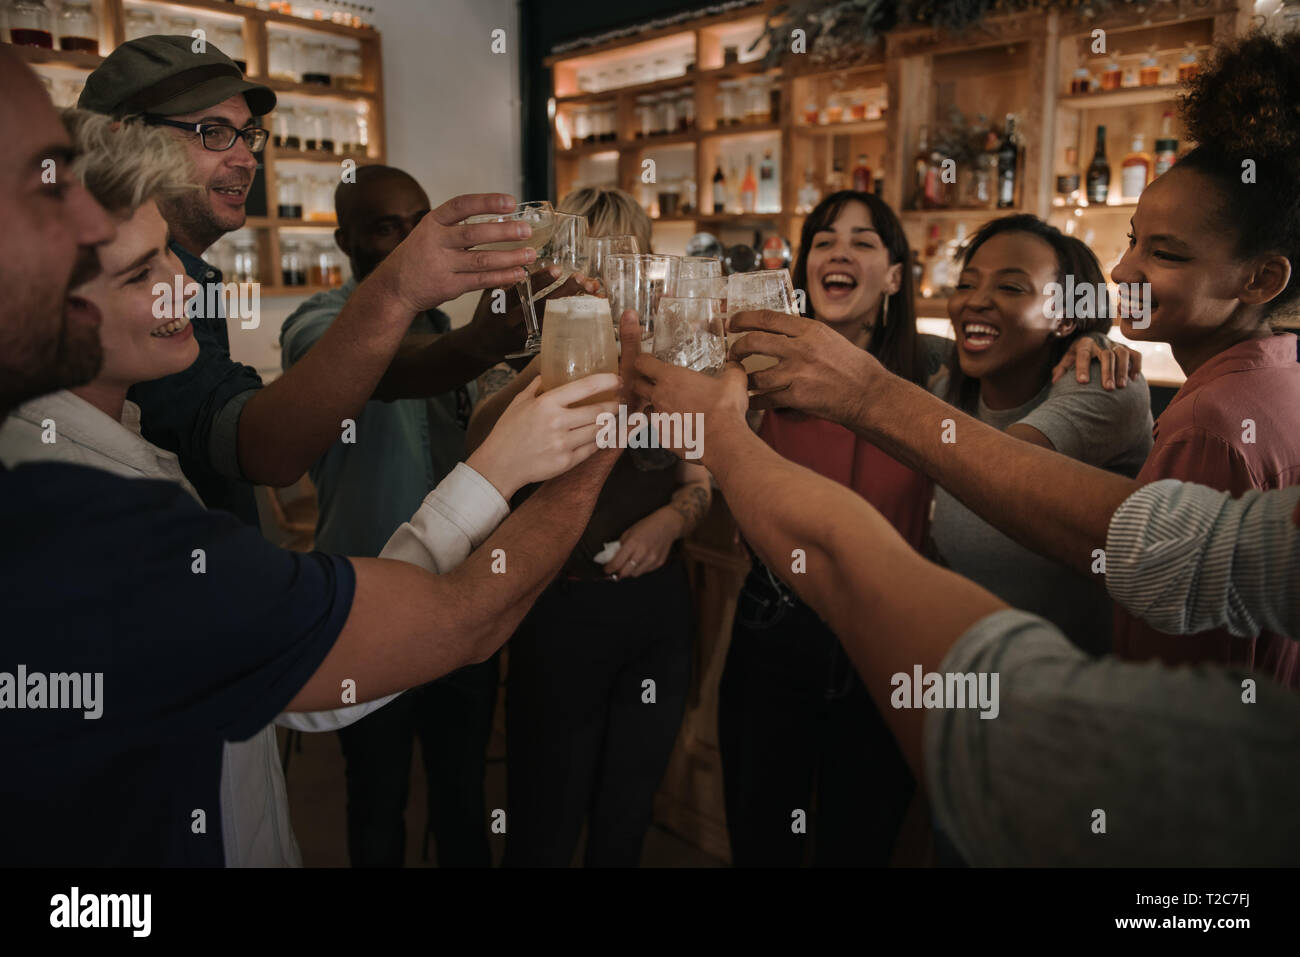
[(765, 289), (541, 217), (638, 282), (690, 333)]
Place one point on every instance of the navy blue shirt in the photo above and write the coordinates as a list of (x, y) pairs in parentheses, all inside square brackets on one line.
[(97, 575), (178, 412)]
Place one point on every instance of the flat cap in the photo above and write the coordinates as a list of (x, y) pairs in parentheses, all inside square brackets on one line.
[(164, 75)]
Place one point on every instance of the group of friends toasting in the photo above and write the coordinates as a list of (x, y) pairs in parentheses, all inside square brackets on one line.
[(474, 505)]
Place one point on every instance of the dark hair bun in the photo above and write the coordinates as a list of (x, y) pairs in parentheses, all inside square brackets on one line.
[(1247, 101)]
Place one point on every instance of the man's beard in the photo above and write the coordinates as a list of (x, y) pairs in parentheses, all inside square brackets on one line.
[(191, 215)]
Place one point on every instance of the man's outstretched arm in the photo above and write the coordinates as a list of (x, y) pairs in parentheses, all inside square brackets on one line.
[(1049, 503)]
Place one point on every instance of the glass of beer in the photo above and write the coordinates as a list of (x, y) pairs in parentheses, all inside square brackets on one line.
[(765, 289), (541, 217), (690, 333), (578, 341), (567, 249), (638, 282)]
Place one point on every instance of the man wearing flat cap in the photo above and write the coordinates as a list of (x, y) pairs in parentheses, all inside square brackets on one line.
[(229, 431)]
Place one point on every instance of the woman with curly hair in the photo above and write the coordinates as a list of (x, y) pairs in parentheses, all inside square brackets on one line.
[(1218, 240)]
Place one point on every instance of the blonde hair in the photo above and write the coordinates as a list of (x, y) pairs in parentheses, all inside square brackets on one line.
[(124, 164), (609, 212)]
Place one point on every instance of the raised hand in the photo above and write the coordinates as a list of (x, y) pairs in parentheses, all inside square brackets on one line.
[(542, 434), (435, 263), (819, 371)]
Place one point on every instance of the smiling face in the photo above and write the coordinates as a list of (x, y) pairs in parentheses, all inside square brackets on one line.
[(849, 270), (1188, 259), (199, 218), (997, 310), (138, 346), (51, 228)]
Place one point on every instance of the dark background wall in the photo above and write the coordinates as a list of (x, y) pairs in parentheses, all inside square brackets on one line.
[(545, 23)]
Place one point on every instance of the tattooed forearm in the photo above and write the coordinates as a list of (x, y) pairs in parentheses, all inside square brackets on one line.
[(494, 380), (692, 503)]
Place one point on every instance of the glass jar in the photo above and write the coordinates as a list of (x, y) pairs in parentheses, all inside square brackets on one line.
[(246, 266), (345, 133), (811, 113), (326, 267), (317, 134), (319, 205), (315, 63), (140, 22), (289, 201), (348, 75), (645, 116), (293, 271), (686, 110), (581, 121), (858, 105), (78, 27), (756, 109), (835, 108), (30, 24), (288, 133), (667, 113), (361, 117), (229, 39), (282, 57), (733, 107)]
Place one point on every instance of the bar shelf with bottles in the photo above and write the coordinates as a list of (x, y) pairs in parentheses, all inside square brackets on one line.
[(327, 71)]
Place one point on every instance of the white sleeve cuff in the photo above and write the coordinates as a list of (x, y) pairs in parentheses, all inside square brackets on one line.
[(454, 519)]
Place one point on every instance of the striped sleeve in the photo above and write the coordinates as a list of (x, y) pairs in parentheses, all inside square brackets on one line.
[(1186, 558)]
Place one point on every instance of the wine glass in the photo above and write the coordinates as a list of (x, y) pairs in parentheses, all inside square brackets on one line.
[(540, 216), (567, 249), (690, 333), (600, 248), (637, 281), (700, 277), (764, 289)]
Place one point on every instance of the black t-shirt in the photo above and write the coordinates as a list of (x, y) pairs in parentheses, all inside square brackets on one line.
[(99, 574)]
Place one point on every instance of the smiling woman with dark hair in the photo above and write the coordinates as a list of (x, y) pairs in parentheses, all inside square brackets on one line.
[(1008, 339)]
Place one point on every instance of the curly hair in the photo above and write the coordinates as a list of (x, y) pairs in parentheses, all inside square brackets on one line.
[(124, 164), (1246, 107)]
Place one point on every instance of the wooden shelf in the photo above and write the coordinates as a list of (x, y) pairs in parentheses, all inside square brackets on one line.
[(276, 222), (650, 142), (1126, 207), (978, 212), (755, 129), (590, 149), (1109, 99), (845, 129), (270, 16), (316, 156), (278, 289), (70, 58), (314, 89)]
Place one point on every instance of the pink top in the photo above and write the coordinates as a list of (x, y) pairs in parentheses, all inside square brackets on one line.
[(1234, 426), (901, 495)]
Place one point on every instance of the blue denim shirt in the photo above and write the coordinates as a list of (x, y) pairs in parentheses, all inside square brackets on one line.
[(368, 488), (195, 413)]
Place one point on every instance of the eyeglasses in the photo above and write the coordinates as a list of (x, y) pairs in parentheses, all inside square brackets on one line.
[(218, 137)]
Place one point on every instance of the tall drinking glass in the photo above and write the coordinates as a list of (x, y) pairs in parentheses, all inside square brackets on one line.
[(541, 217), (600, 248), (765, 289), (567, 249), (578, 341), (690, 333), (700, 277), (638, 282)]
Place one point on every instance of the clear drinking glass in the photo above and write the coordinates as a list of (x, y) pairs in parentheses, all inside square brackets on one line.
[(691, 333), (567, 249), (700, 277), (600, 248), (638, 281), (577, 341), (765, 289), (540, 215)]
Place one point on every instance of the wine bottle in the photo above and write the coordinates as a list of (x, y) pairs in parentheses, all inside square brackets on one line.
[(1008, 153), (862, 181), (1135, 171), (1099, 172), (1166, 145), (719, 190), (749, 187)]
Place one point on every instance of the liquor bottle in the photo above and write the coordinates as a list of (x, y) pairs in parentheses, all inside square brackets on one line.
[(1099, 172), (1166, 145), (1008, 154), (809, 194), (769, 195), (1135, 171), (862, 180), (949, 270), (733, 187), (749, 187), (921, 170), (835, 182), (1149, 73), (719, 190)]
